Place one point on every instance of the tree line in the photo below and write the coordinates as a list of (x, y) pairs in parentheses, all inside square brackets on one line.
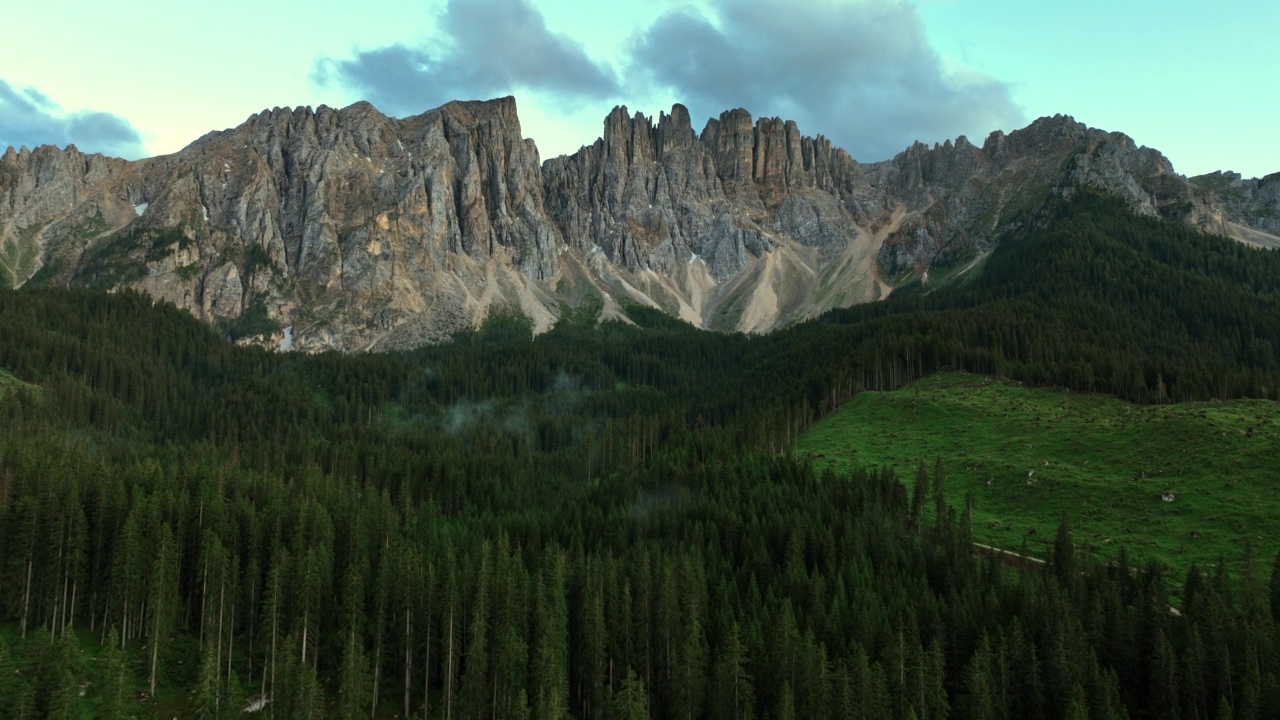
[(603, 522)]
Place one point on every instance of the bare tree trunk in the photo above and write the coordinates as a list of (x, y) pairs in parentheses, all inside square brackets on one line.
[(71, 618), (155, 653), (204, 591), (124, 621), (408, 659), (53, 617), (66, 587), (275, 621), (426, 676), (231, 640), (448, 675), (26, 596), (377, 674), (222, 587), (253, 611)]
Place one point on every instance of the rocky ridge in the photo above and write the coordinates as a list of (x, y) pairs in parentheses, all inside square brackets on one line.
[(347, 229)]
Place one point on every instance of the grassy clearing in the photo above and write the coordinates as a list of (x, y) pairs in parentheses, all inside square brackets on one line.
[(8, 380), (1028, 457)]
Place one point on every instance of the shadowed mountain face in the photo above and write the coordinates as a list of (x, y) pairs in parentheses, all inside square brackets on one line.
[(347, 229)]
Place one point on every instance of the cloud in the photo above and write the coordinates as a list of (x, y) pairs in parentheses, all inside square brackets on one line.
[(862, 73), (28, 117), (489, 48)]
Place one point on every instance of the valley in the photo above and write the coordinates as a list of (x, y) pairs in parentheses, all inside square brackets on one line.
[(621, 515)]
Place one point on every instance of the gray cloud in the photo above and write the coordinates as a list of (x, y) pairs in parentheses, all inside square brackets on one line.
[(492, 47), (863, 74), (28, 117)]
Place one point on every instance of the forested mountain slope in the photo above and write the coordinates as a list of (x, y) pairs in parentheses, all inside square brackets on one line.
[(605, 521)]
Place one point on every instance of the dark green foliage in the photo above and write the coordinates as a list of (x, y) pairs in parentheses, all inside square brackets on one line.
[(111, 263), (599, 522), (631, 702), (115, 684), (253, 322), (1092, 298), (255, 257), (44, 277), (1275, 589)]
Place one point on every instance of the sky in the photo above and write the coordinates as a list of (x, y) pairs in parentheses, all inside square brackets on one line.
[(1197, 81)]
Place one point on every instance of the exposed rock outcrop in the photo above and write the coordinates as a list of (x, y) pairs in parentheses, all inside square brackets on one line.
[(348, 229)]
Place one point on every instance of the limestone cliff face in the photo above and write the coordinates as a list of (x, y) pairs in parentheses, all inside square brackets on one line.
[(347, 229), (352, 228), (731, 228), (959, 197)]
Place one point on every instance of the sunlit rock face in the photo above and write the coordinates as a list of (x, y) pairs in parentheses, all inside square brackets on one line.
[(347, 229)]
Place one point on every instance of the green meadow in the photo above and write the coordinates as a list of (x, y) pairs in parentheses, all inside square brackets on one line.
[(7, 381), (1027, 457)]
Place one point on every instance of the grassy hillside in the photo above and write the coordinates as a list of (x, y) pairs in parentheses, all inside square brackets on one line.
[(7, 381), (1102, 462)]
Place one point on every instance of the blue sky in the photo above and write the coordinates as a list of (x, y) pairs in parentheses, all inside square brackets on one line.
[(1195, 80)]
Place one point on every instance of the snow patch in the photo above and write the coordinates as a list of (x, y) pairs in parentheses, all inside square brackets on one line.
[(204, 209), (693, 257), (141, 208), (286, 342)]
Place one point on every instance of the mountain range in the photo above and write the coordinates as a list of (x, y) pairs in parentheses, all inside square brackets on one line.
[(350, 230)]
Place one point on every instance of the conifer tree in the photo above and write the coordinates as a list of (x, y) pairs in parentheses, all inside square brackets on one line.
[(786, 703), (733, 693), (16, 695), (273, 601), (473, 696), (162, 605), (1224, 709), (210, 696), (353, 679), (114, 697), (631, 701), (919, 495), (60, 676), (979, 701), (1064, 564), (942, 515), (1164, 697), (1077, 707), (690, 670), (551, 662)]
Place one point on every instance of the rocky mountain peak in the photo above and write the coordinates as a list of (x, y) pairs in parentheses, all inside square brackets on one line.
[(353, 230)]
